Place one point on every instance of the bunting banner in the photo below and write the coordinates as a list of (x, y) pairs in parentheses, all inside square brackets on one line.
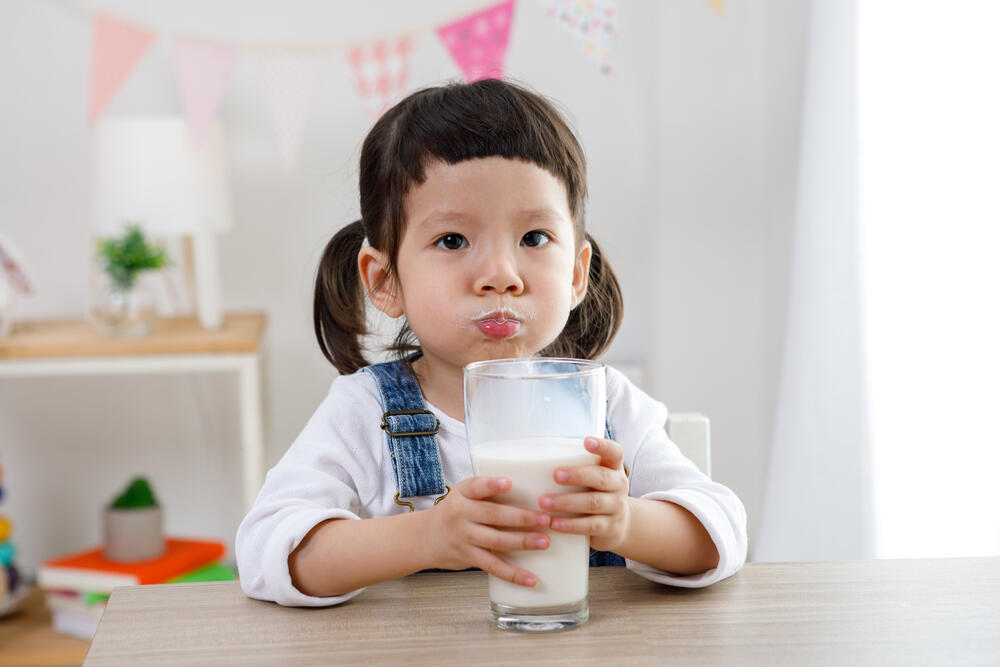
[(478, 42), (591, 22), (380, 70), (288, 78), (202, 72), (115, 49)]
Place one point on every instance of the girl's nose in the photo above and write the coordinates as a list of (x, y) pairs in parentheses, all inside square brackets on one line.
[(498, 274)]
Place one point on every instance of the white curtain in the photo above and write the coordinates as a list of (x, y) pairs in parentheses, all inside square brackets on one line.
[(930, 218), (818, 499)]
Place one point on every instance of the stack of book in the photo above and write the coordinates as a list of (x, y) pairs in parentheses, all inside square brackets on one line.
[(77, 586)]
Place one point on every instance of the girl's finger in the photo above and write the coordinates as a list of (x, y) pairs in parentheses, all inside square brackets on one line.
[(592, 477), (587, 525), (489, 562), (611, 453), (579, 503), (483, 487), (508, 516), (502, 540)]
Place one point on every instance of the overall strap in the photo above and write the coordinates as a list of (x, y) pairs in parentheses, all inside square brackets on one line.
[(410, 430)]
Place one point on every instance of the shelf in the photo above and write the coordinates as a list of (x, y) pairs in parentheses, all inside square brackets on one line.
[(239, 333), (63, 348)]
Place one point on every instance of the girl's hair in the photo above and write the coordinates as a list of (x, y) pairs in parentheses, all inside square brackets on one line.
[(454, 123)]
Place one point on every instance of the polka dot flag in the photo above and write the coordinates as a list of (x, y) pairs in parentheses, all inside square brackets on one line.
[(591, 22), (478, 43)]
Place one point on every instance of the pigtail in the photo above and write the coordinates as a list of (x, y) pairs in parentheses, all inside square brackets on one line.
[(339, 300), (593, 324)]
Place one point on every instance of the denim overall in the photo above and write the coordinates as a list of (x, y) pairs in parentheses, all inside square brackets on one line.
[(410, 430)]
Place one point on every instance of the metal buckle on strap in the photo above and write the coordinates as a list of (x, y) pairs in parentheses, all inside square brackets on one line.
[(385, 424), (447, 490)]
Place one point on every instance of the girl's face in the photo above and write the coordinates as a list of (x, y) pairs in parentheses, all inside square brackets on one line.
[(488, 264)]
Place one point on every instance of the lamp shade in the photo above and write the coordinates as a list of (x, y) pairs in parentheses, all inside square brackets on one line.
[(150, 172)]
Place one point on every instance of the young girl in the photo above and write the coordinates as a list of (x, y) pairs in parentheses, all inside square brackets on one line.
[(472, 231)]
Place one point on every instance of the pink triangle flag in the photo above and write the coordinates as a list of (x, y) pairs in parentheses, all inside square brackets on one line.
[(478, 42), (202, 71), (289, 80), (591, 22), (116, 48), (381, 70)]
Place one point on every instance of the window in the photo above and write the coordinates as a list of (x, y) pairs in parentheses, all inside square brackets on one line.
[(929, 105)]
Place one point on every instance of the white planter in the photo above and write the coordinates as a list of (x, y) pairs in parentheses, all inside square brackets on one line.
[(132, 535)]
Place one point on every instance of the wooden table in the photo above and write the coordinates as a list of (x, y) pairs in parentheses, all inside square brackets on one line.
[(175, 345), (899, 612), (27, 637)]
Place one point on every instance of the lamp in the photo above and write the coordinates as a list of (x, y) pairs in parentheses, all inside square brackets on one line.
[(148, 170)]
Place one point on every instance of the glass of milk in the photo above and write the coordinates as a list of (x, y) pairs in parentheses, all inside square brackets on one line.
[(524, 419)]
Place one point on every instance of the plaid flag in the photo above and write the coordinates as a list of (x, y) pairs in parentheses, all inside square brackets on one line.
[(381, 70)]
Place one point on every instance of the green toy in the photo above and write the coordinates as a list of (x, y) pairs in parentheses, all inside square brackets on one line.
[(137, 494)]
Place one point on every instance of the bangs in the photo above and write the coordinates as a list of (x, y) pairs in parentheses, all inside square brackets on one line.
[(488, 118)]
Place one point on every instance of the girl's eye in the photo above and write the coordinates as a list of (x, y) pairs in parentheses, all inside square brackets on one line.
[(451, 242), (535, 239)]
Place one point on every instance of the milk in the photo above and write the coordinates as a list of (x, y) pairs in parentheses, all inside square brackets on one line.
[(561, 570)]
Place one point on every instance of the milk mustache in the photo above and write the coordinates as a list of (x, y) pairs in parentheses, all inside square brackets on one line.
[(563, 568)]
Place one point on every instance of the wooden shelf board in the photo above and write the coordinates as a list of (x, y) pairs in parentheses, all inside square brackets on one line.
[(172, 335)]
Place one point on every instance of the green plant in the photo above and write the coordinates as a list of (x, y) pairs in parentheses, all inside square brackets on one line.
[(125, 257), (138, 494)]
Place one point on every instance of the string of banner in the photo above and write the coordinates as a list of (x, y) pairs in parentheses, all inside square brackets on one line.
[(380, 66)]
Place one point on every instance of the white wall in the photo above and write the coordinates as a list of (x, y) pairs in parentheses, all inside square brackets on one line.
[(728, 106), (691, 151)]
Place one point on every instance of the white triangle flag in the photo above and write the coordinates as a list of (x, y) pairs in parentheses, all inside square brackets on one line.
[(288, 78)]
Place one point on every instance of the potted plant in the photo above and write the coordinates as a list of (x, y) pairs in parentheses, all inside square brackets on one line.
[(124, 306), (133, 525)]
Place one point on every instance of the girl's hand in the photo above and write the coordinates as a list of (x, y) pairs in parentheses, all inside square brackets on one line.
[(466, 526), (605, 506)]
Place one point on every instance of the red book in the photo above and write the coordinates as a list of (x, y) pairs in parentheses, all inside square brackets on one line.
[(90, 571)]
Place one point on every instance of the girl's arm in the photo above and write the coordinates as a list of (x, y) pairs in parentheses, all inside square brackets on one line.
[(303, 542), (668, 537), (342, 555), (674, 509), (660, 534)]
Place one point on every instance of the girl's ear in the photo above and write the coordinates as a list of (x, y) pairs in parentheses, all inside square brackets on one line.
[(581, 273), (379, 285)]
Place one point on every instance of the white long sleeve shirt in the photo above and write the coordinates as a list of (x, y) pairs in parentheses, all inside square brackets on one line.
[(339, 468)]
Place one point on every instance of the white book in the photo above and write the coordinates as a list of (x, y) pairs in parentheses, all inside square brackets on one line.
[(75, 624), (58, 601)]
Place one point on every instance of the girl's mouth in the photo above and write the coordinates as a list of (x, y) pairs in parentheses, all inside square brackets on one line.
[(498, 327)]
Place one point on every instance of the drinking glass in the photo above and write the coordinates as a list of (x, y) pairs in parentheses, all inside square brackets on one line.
[(525, 418)]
